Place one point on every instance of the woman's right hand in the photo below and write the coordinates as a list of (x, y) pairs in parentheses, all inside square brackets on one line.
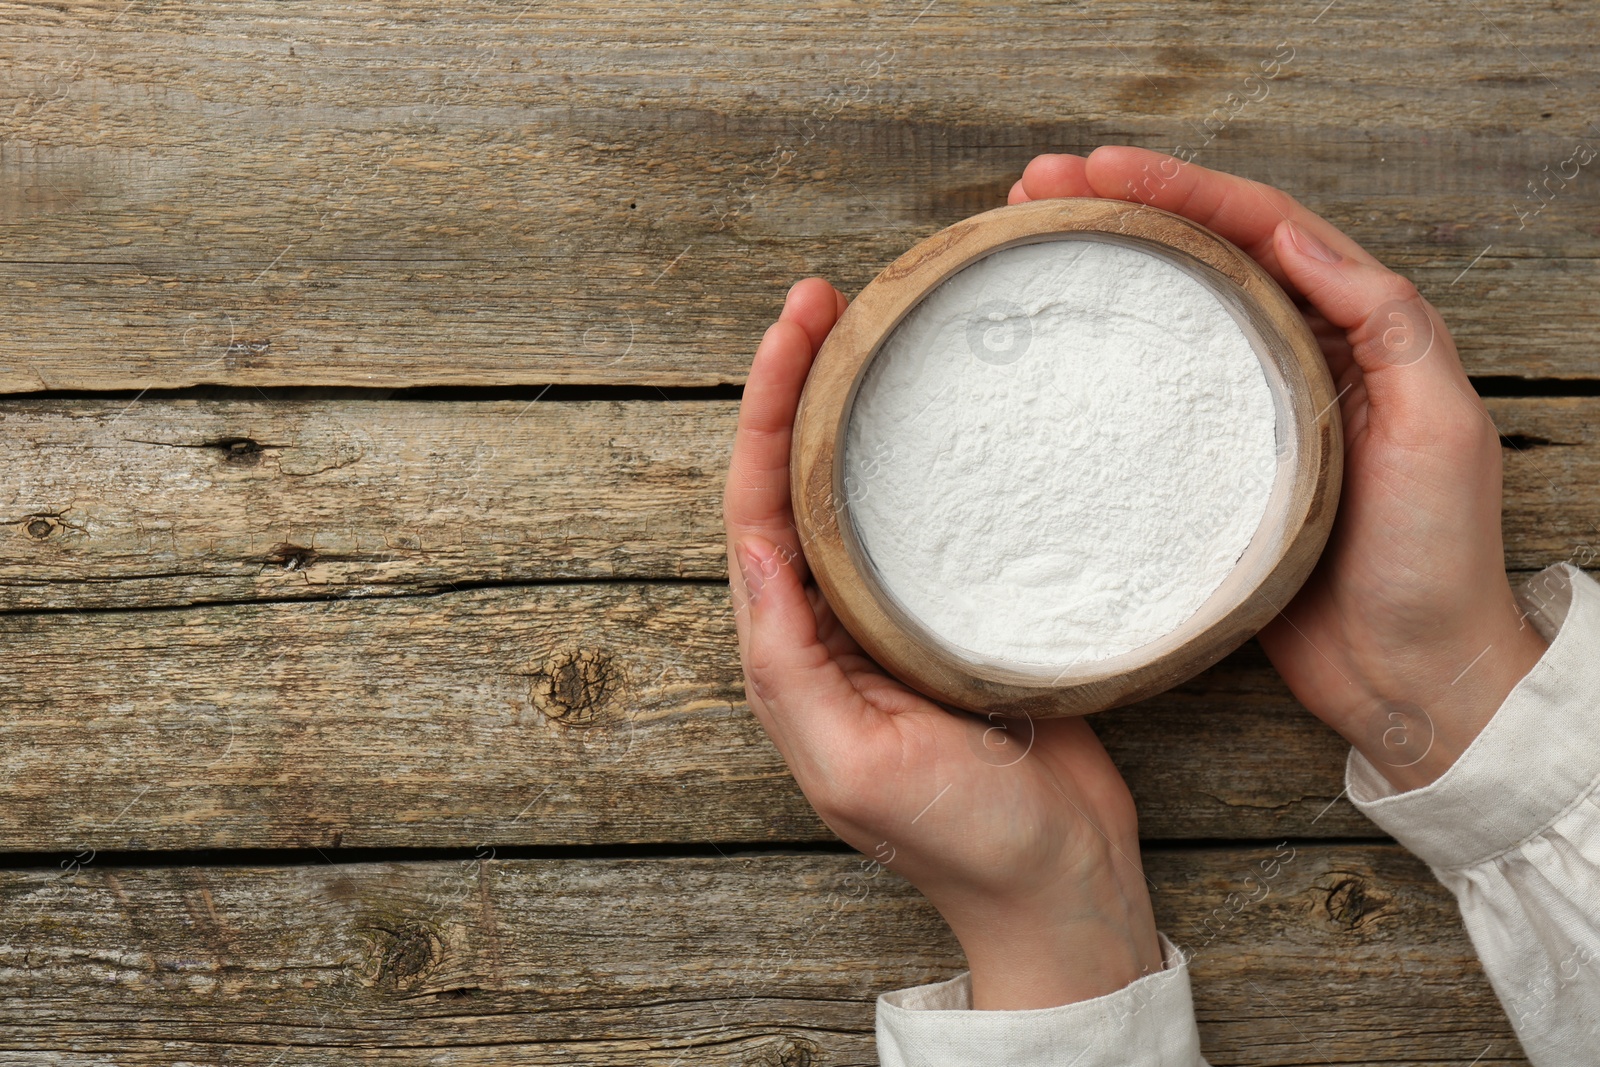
[(1022, 834), (1406, 638)]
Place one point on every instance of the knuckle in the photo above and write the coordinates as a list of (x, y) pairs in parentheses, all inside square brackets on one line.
[(1249, 195), (1391, 288), (758, 669), (1462, 431), (1398, 325), (1285, 203)]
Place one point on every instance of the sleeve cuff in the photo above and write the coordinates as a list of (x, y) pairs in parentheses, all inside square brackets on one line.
[(1147, 1023), (1536, 758)]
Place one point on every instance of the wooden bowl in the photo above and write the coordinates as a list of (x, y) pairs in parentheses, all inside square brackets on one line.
[(1280, 554)]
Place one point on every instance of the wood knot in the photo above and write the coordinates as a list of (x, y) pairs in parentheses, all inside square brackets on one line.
[(40, 527), (577, 688), (291, 557), (783, 1052), (1352, 901), (401, 954), (238, 451)]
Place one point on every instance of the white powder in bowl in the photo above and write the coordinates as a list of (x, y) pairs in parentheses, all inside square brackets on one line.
[(1060, 452)]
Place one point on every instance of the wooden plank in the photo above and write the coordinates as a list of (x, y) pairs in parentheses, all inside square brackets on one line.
[(554, 714), (750, 960), (498, 194), (109, 504), (170, 502), (1552, 465)]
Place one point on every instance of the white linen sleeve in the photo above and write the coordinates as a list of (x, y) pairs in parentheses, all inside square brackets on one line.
[(1148, 1023), (1512, 828)]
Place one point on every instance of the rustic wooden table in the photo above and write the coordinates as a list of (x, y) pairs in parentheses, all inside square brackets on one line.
[(369, 684)]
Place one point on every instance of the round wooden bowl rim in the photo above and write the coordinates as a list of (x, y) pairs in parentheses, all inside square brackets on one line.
[(1299, 518)]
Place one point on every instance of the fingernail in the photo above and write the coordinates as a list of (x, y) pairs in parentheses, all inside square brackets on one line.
[(1307, 243)]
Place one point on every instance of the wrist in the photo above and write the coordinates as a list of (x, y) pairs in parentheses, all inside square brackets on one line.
[(1023, 958), (1421, 717)]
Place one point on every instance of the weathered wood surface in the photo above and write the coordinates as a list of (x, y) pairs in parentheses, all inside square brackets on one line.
[(777, 960), (112, 504), (104, 503), (554, 714), (495, 193)]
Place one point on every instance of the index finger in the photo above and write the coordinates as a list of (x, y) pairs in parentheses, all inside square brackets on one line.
[(1243, 211)]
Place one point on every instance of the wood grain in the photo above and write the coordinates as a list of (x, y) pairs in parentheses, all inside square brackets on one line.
[(110, 504), (250, 625), (553, 714), (492, 194), (776, 962)]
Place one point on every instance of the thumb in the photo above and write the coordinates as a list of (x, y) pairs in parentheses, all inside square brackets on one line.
[(1408, 361), (788, 666)]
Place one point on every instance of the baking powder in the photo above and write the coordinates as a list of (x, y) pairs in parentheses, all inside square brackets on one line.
[(1060, 452)]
